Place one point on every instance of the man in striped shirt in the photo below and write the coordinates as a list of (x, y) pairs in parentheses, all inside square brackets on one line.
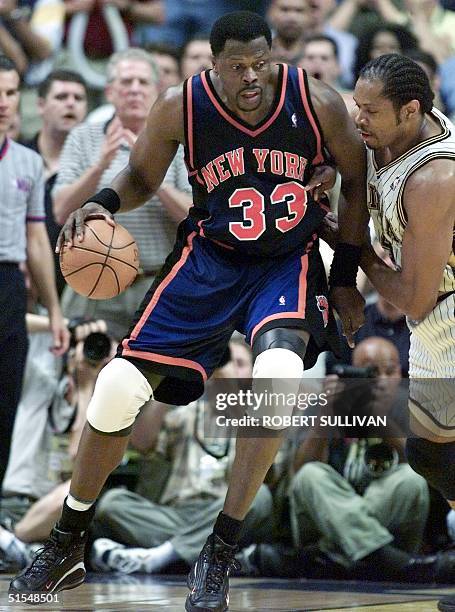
[(23, 238), (93, 155)]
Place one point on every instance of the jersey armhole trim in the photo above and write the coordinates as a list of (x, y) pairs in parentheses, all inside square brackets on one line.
[(312, 117), (423, 162)]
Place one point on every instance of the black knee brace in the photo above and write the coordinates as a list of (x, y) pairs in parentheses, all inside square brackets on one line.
[(279, 337), (435, 462)]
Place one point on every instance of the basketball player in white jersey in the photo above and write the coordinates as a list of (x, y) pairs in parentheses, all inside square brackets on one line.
[(411, 199)]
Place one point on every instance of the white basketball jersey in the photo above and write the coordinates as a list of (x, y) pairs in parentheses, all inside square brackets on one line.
[(386, 188), (432, 350)]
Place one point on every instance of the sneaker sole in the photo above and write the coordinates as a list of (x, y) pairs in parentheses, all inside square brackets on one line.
[(190, 608), (72, 581)]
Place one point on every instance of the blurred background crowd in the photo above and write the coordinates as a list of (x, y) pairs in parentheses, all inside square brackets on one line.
[(87, 73)]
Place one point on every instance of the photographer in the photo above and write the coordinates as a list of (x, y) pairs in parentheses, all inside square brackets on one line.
[(46, 434), (358, 501)]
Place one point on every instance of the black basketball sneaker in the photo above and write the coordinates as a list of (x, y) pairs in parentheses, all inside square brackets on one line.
[(59, 565), (208, 579)]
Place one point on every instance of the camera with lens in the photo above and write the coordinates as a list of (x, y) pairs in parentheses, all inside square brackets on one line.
[(380, 459), (350, 371), (97, 346)]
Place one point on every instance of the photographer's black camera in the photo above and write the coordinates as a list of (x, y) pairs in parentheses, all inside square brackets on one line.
[(350, 371), (97, 346)]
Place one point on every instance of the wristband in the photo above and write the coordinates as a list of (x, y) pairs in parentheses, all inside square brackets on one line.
[(343, 271), (106, 197)]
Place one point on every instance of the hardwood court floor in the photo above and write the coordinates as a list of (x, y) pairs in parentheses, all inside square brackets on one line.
[(115, 593)]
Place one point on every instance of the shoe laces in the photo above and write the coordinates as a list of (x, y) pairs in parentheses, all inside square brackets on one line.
[(219, 562), (45, 555)]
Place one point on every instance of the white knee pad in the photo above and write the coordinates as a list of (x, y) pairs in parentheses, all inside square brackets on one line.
[(120, 392), (283, 370)]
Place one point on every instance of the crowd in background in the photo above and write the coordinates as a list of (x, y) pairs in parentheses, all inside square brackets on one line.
[(90, 71)]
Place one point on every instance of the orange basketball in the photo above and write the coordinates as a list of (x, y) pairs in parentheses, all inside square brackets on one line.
[(104, 264)]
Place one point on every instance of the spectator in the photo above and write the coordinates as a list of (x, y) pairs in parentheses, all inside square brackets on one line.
[(383, 320), (320, 60), (447, 73), (433, 26), (37, 29), (186, 19), (167, 59), (427, 62), (23, 237), (102, 33), (14, 130), (359, 16), (93, 155), (315, 21), (287, 20), (62, 104), (196, 56), (368, 512), (149, 535), (48, 426), (380, 40)]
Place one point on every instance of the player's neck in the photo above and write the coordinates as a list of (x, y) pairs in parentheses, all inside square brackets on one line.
[(425, 129)]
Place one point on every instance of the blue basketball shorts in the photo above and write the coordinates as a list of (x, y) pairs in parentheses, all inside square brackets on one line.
[(205, 292)]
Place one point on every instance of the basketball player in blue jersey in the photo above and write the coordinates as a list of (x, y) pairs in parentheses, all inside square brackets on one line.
[(246, 258), (411, 199)]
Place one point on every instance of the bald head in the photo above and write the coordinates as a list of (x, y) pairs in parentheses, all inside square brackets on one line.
[(379, 353)]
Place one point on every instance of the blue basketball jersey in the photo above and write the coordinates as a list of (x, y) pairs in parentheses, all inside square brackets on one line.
[(248, 182)]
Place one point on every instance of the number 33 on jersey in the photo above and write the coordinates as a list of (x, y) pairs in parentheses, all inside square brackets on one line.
[(248, 182)]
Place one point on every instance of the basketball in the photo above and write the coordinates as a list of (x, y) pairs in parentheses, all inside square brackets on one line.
[(104, 264)]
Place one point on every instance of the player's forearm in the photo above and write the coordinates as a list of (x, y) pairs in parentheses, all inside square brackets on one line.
[(353, 214), (394, 286), (176, 202), (71, 197), (132, 189)]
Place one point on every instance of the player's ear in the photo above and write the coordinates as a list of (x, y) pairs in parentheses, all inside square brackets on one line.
[(412, 108)]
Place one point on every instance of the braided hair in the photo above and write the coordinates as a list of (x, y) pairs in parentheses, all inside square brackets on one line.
[(403, 80)]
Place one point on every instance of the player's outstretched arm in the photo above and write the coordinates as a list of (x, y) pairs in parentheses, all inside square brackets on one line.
[(429, 204)]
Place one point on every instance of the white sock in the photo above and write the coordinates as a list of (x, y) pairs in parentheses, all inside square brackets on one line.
[(6, 537), (75, 504), (13, 548)]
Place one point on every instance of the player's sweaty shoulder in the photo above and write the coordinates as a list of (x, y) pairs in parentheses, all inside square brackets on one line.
[(328, 105), (167, 113)]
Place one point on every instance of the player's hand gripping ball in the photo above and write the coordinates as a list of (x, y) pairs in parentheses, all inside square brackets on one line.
[(104, 264)]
